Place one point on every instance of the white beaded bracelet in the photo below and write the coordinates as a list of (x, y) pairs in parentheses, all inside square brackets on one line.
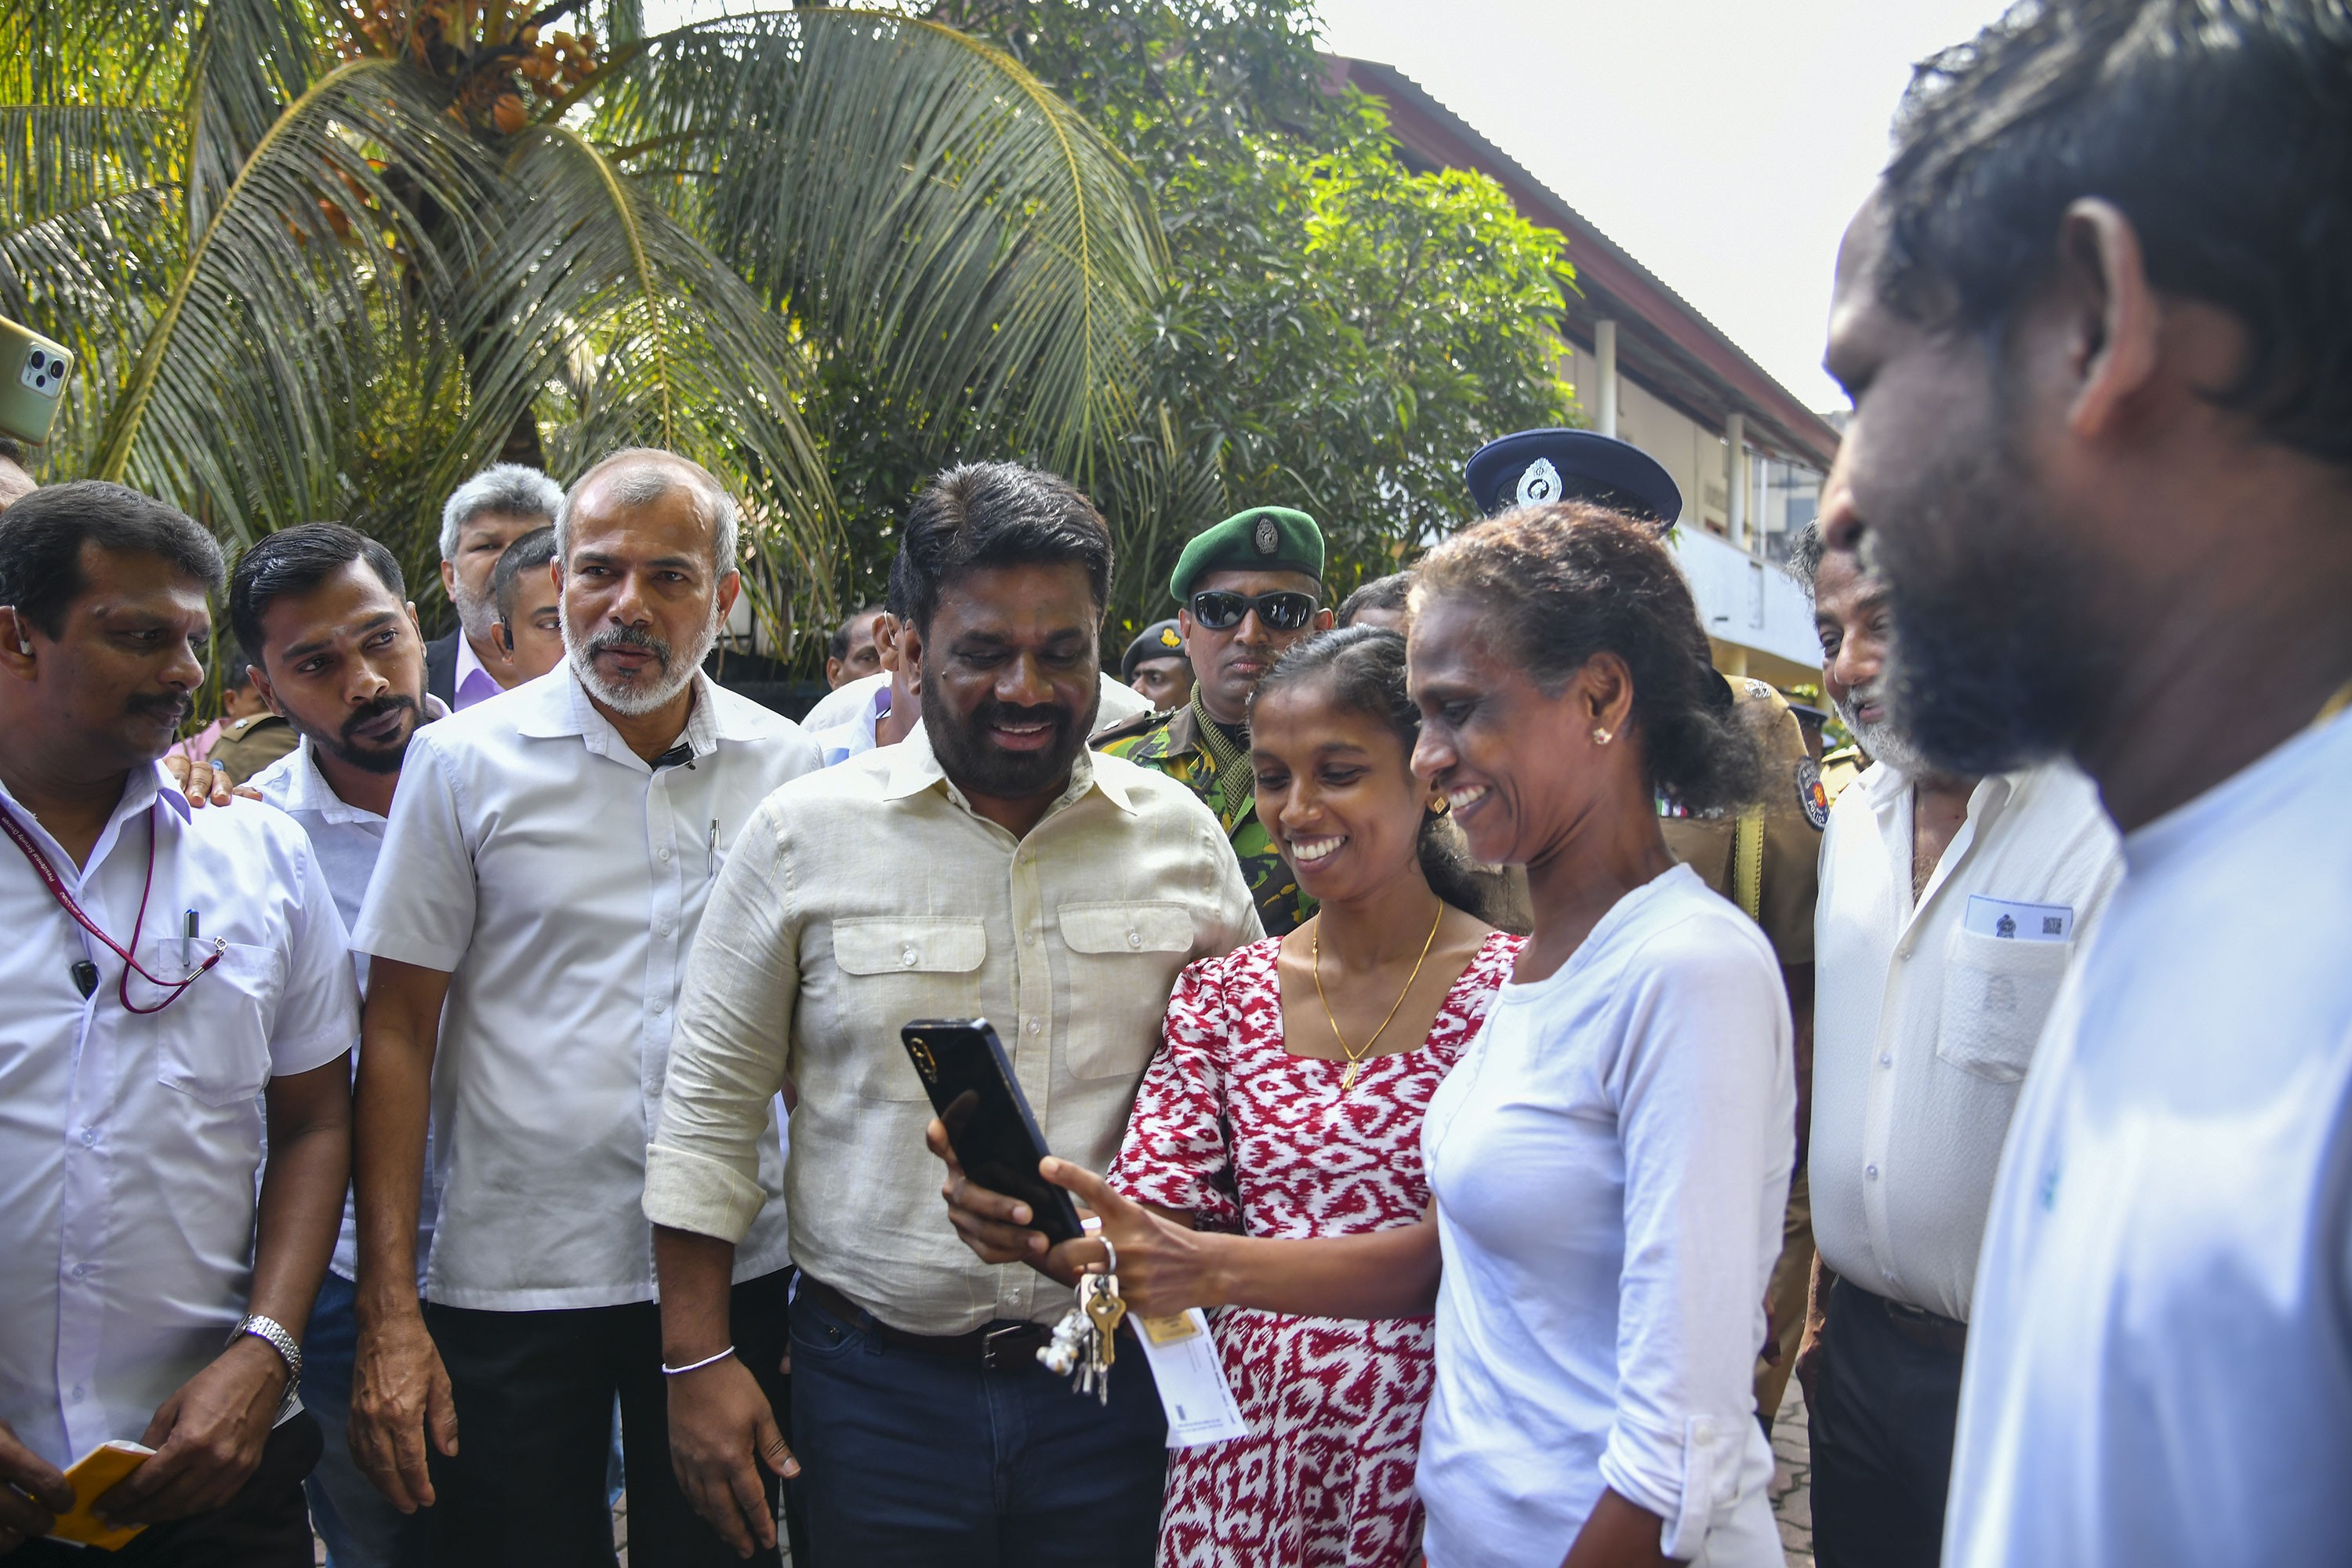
[(669, 1370)]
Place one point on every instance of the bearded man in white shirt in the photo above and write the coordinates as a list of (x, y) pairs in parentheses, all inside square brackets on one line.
[(176, 983), (554, 851), (322, 612), (1948, 910), (2095, 325), (1054, 891)]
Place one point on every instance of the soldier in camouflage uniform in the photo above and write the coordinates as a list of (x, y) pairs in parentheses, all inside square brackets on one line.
[(1249, 587)]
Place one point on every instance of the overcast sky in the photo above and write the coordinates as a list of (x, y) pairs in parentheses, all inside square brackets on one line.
[(1724, 142)]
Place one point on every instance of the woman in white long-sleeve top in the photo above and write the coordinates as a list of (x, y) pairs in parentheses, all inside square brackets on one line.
[(1610, 1157)]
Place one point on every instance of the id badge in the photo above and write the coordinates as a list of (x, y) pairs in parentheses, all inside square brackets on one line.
[(2010, 920)]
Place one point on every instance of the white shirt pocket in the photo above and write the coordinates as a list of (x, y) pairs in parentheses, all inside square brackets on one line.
[(896, 968), (1124, 958), (1997, 994), (213, 1041)]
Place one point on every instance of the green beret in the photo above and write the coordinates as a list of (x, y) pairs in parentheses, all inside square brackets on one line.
[(1263, 539)]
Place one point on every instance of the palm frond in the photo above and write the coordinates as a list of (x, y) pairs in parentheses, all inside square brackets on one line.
[(920, 204), (585, 292), (232, 402)]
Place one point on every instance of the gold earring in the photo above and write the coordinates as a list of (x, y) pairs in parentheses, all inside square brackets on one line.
[(1601, 737)]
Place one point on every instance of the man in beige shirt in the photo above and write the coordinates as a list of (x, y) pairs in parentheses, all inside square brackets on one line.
[(987, 865)]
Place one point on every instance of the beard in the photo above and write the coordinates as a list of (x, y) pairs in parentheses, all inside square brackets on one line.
[(647, 693), (358, 754), (978, 766), (1994, 664), (1883, 738)]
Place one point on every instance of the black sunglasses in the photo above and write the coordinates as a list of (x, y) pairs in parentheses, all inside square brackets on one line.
[(1284, 610)]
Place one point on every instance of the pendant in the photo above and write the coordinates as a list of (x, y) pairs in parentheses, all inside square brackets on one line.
[(1347, 1078)]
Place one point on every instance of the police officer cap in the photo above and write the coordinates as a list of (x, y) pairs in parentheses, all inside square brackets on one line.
[(1160, 639), (1263, 539), (1531, 466)]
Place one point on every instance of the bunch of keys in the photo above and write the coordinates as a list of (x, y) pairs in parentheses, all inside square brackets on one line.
[(1082, 1348)]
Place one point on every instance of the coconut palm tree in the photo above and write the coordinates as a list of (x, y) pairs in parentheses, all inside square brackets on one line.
[(323, 257)]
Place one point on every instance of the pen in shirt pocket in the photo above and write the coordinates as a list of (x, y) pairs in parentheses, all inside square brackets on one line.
[(711, 856)]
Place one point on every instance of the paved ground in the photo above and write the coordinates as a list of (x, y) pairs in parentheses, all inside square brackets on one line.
[(1792, 1474)]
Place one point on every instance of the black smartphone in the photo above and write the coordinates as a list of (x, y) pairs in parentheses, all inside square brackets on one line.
[(996, 1141)]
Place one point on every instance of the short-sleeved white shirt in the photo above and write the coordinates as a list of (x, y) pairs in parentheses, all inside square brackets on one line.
[(129, 1145), (558, 880), (1610, 1160), (2159, 1369), (1924, 1022), (347, 839)]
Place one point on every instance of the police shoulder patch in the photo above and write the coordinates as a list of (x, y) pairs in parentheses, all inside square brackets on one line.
[(1810, 794)]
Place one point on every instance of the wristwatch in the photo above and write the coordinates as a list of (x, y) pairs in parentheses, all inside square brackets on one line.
[(289, 1349)]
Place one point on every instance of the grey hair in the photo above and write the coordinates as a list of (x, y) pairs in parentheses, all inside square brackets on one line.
[(646, 474), (1805, 551), (508, 488)]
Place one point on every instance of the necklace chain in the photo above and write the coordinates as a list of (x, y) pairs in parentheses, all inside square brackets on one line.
[(1355, 1057)]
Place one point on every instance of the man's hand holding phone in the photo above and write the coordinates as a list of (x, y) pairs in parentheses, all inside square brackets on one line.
[(1164, 1266)]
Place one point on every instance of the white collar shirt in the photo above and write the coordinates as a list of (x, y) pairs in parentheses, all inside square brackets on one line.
[(844, 718), (2159, 1370), (559, 880), (852, 735), (346, 838), (1923, 1028), (471, 682), (872, 893), (130, 1145)]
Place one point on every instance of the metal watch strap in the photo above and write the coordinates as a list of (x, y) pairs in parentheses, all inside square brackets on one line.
[(273, 1334)]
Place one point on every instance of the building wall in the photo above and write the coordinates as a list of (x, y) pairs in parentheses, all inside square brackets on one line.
[(1757, 617)]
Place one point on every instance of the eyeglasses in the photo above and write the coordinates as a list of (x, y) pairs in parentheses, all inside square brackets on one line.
[(1221, 609)]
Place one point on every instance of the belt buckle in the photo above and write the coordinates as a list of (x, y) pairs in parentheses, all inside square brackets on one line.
[(1002, 1347)]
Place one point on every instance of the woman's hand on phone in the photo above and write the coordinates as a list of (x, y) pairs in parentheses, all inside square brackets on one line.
[(1164, 1266)]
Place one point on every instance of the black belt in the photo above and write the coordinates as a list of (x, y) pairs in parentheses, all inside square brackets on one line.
[(1921, 1327), (993, 1345)]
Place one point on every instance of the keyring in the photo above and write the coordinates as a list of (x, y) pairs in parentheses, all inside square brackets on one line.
[(1110, 1254)]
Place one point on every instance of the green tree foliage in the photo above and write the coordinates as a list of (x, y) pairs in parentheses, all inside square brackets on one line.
[(1338, 333), (324, 257)]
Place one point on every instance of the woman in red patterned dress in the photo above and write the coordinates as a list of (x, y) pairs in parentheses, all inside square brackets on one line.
[(1287, 1102)]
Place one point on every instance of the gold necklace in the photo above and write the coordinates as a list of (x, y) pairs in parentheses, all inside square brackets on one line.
[(1355, 1057)]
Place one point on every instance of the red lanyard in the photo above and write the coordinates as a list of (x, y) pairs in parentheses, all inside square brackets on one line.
[(49, 879)]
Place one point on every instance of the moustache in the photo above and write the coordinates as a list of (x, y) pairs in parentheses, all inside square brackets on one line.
[(390, 703), (629, 638), (173, 707)]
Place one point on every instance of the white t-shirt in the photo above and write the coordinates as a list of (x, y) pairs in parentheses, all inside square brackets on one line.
[(2159, 1367), (1610, 1160)]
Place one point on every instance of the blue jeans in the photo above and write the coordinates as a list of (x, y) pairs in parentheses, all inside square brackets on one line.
[(362, 1530), (913, 1458)]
